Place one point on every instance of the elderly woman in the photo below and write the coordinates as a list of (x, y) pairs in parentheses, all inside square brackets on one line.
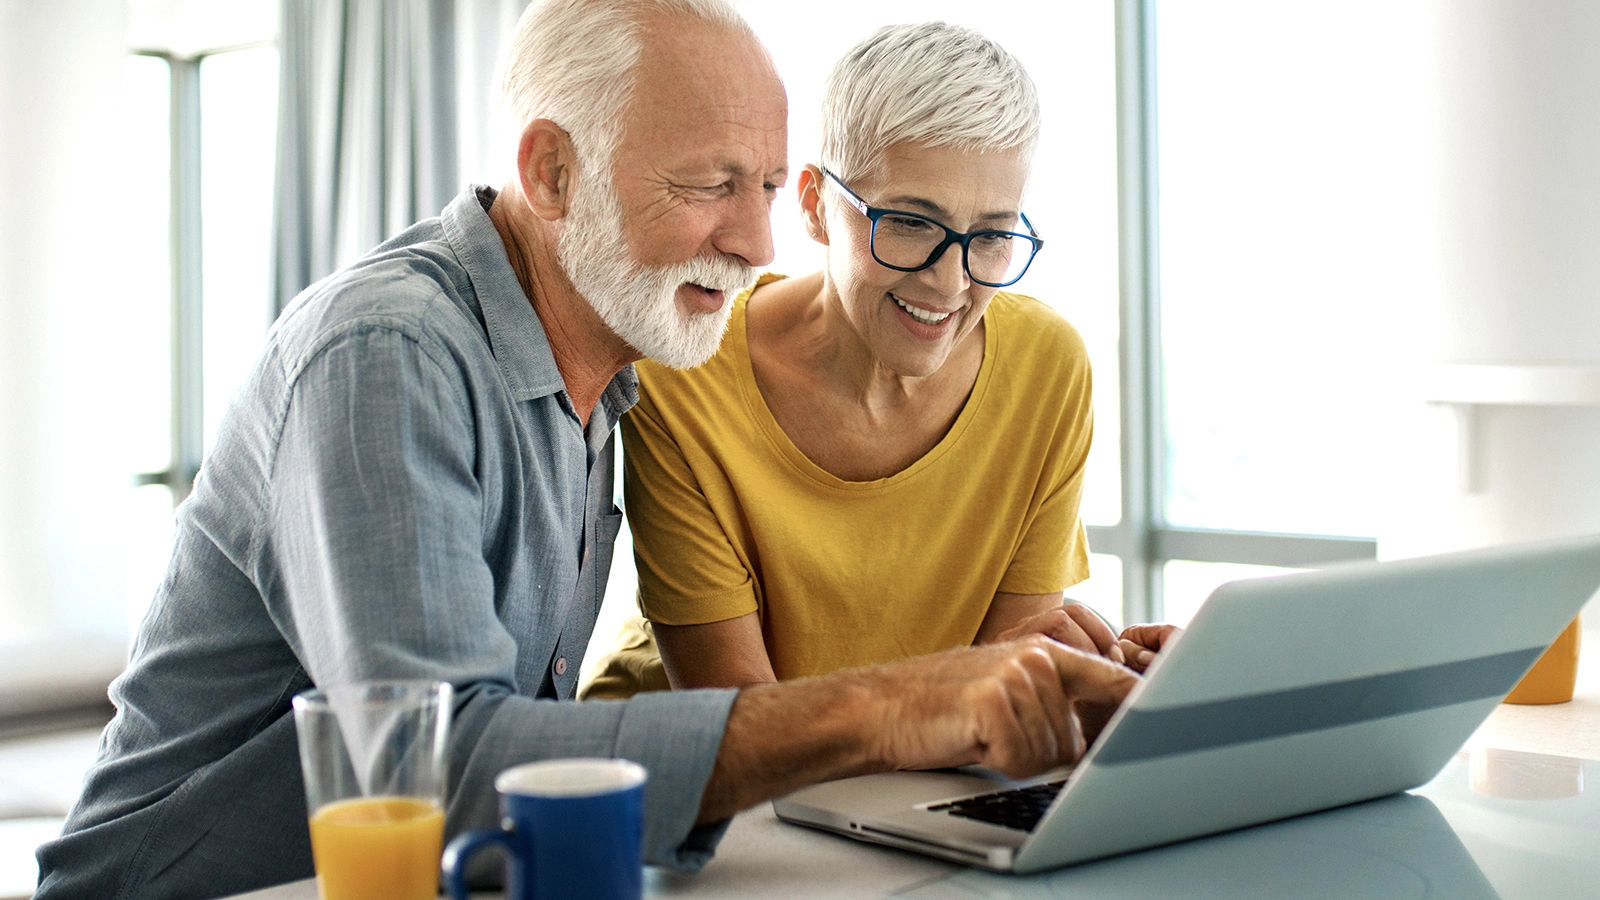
[(885, 458)]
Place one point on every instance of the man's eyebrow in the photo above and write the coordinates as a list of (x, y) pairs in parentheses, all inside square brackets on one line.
[(725, 169)]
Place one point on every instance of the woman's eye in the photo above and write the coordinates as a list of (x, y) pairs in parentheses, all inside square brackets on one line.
[(906, 224)]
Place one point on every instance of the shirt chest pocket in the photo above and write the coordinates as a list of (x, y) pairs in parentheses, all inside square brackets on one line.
[(606, 528)]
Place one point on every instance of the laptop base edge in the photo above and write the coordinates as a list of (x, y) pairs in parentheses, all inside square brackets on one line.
[(994, 859)]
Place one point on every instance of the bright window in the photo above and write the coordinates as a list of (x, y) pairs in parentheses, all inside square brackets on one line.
[(144, 162), (237, 146), (1293, 201), (235, 121)]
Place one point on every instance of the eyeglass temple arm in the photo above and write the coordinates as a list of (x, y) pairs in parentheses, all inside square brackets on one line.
[(852, 196)]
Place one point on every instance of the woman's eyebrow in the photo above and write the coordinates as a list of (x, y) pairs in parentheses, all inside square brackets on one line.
[(912, 203)]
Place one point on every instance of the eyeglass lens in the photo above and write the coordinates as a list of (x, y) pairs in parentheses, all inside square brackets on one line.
[(907, 241)]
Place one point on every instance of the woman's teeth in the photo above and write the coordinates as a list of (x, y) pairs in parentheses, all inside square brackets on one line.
[(921, 315)]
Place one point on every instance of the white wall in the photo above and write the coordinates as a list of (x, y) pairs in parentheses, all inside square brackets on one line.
[(60, 559), (1519, 268)]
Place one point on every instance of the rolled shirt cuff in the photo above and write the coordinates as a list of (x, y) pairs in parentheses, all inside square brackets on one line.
[(675, 735)]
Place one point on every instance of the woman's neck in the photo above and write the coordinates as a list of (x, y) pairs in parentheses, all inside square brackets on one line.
[(843, 408)]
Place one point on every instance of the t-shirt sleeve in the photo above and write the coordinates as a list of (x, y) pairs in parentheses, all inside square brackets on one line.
[(689, 571), (1053, 552)]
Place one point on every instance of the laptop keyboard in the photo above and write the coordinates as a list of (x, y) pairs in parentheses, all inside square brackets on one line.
[(1019, 808)]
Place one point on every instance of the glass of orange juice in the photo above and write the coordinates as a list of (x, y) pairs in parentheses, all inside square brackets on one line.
[(373, 758)]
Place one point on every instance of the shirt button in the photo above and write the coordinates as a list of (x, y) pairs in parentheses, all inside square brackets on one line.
[(561, 666)]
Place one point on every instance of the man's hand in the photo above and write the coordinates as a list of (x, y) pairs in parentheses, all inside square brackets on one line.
[(1013, 707), (1141, 643), (1075, 625), (1009, 707)]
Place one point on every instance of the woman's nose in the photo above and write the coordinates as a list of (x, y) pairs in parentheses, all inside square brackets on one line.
[(948, 274)]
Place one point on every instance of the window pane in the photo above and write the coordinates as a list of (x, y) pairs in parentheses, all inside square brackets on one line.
[(1293, 220), (1102, 592), (238, 133), (148, 533), (144, 248), (143, 251), (1186, 584), (1072, 198)]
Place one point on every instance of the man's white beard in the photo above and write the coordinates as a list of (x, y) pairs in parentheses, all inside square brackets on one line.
[(638, 302)]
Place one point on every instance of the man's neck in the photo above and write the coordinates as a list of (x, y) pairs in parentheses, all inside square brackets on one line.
[(587, 353)]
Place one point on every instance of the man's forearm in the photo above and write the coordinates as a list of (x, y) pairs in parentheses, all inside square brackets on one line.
[(781, 737)]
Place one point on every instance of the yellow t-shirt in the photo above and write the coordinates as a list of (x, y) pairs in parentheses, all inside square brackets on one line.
[(729, 517)]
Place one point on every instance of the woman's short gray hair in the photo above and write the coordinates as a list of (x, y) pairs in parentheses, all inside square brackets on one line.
[(934, 83), (572, 62)]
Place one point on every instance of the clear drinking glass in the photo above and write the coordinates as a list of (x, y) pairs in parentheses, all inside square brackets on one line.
[(373, 756)]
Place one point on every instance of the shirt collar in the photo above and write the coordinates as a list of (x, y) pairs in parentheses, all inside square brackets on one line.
[(516, 336)]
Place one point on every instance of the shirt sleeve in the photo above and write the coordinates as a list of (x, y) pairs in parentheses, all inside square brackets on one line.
[(689, 571), (1053, 552), (379, 526)]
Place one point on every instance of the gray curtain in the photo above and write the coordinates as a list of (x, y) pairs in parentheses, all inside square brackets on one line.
[(366, 129)]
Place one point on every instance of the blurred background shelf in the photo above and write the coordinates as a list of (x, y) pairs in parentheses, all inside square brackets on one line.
[(1513, 385)]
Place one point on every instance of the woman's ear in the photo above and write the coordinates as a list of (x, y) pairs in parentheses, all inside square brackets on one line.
[(812, 206), (545, 163)]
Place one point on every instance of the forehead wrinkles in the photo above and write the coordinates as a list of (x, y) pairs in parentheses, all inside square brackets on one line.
[(693, 73)]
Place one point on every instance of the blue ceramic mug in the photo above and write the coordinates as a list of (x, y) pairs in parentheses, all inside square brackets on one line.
[(570, 828)]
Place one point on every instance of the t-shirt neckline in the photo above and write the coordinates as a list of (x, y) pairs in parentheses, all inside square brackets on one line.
[(762, 413)]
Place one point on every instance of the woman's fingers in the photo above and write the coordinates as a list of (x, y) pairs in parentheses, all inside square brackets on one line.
[(1074, 625), (1141, 643), (1096, 630), (1137, 657)]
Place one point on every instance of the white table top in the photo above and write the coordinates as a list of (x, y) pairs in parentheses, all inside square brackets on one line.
[(763, 857)]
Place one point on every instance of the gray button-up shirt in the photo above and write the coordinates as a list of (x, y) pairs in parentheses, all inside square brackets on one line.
[(400, 490)]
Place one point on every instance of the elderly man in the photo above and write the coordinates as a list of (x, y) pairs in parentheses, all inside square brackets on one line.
[(417, 482)]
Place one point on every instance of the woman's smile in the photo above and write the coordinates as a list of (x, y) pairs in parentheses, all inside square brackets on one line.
[(929, 319)]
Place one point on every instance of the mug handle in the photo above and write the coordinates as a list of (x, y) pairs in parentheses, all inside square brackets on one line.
[(461, 849)]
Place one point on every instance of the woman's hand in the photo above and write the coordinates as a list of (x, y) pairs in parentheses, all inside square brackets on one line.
[(1141, 643), (1073, 624)]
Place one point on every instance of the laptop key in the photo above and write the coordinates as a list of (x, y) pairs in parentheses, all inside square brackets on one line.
[(1018, 808)]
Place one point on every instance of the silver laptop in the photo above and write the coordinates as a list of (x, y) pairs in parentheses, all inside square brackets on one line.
[(1283, 696)]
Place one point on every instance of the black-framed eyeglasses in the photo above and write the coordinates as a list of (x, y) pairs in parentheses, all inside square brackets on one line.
[(911, 242)]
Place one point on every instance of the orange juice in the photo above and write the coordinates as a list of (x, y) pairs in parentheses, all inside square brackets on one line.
[(378, 848)]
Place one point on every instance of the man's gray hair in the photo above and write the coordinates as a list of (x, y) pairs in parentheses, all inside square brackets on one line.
[(934, 83), (572, 62)]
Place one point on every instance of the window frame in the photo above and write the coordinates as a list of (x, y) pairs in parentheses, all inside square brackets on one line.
[(188, 282)]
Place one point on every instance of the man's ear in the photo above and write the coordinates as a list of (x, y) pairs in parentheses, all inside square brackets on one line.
[(545, 164), (812, 206)]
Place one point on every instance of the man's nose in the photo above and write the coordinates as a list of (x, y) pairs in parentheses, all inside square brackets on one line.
[(948, 274), (746, 229)]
